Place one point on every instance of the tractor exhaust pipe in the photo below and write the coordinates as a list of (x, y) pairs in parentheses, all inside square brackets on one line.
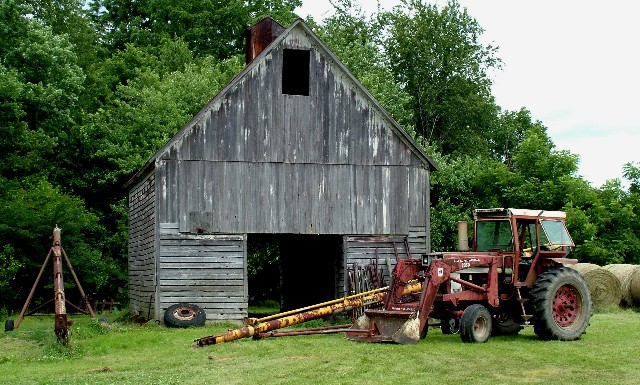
[(463, 237)]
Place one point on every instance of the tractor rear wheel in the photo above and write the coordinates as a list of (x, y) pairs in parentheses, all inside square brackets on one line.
[(475, 324), (561, 305)]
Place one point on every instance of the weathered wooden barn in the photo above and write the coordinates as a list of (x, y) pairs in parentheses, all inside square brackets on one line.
[(294, 148)]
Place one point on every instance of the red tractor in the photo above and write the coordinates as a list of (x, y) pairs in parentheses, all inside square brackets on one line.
[(514, 276)]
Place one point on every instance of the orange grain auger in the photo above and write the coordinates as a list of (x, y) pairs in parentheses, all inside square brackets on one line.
[(256, 326)]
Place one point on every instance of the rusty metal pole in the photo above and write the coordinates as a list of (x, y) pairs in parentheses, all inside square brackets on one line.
[(61, 323), (75, 279), (33, 289)]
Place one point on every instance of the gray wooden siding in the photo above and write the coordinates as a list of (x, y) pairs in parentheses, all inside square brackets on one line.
[(242, 197), (206, 270), (418, 241), (255, 160), (255, 122), (142, 247), (364, 250)]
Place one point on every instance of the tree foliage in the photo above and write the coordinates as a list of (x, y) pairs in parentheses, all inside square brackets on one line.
[(149, 110), (354, 38), (436, 55), (210, 28)]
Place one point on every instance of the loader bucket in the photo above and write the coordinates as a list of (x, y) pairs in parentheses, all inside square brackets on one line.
[(401, 327)]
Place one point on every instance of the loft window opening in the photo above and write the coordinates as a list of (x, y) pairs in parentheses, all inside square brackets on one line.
[(295, 72)]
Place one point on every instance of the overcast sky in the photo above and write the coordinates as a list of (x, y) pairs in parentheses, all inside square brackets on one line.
[(574, 64)]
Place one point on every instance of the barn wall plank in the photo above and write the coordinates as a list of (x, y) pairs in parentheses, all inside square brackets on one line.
[(297, 198), (206, 270), (141, 252), (365, 250), (327, 163), (256, 122)]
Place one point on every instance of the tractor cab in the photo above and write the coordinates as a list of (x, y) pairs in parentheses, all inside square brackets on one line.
[(525, 238)]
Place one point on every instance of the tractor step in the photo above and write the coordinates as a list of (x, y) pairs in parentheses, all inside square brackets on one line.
[(526, 317)]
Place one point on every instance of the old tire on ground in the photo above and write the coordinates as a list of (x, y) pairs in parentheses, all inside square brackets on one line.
[(8, 325), (561, 305), (184, 315), (505, 327), (450, 325), (475, 324)]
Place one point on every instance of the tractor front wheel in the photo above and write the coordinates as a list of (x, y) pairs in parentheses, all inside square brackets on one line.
[(475, 324), (561, 304)]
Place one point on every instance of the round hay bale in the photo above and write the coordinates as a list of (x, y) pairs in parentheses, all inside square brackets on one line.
[(624, 272), (604, 285), (634, 287), (583, 268)]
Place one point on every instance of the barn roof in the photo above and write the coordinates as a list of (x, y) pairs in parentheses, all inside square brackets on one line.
[(320, 46)]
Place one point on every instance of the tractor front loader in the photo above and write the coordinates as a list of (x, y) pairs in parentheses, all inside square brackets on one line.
[(515, 276)]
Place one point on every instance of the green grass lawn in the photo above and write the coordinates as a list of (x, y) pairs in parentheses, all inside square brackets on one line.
[(129, 354)]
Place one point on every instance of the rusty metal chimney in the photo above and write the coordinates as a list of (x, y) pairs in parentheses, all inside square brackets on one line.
[(260, 35)]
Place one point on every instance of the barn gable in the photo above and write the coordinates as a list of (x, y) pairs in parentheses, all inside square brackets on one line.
[(294, 144), (255, 138)]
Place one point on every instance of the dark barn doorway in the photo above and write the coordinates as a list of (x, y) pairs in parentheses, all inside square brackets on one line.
[(293, 270)]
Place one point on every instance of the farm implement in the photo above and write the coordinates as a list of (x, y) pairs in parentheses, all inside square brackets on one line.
[(515, 276), (257, 326)]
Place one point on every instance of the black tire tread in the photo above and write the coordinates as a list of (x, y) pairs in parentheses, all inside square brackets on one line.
[(199, 319), (544, 290), (467, 323)]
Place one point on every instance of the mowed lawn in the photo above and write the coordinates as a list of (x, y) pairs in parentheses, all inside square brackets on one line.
[(129, 354)]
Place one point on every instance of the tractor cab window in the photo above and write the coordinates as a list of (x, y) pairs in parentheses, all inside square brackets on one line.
[(555, 235), (494, 235), (527, 237)]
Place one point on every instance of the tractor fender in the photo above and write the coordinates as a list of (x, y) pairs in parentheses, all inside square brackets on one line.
[(564, 261)]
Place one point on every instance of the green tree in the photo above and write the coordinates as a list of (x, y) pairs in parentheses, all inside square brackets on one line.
[(464, 183), (354, 38), (508, 133), (147, 112), (436, 55), (39, 95), (30, 209), (40, 85), (605, 226), (211, 27), (631, 173), (68, 17)]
